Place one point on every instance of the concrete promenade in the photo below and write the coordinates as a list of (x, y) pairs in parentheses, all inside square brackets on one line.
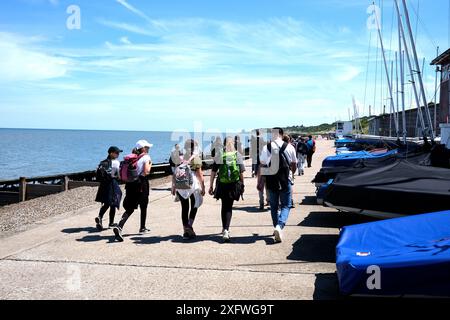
[(66, 258)]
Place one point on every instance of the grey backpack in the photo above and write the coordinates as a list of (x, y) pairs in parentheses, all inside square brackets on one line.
[(184, 177)]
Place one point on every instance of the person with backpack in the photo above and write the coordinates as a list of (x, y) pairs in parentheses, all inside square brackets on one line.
[(288, 139), (302, 152), (279, 160), (109, 193), (229, 188), (188, 185), (134, 171), (311, 144)]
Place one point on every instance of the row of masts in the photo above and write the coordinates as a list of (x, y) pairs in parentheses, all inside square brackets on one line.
[(406, 51)]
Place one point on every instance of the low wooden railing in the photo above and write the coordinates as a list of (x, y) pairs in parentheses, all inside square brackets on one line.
[(23, 189)]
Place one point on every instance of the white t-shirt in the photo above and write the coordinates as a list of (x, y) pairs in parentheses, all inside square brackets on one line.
[(141, 164), (115, 168), (289, 152)]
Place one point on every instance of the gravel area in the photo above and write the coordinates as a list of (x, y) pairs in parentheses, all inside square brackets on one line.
[(22, 216)]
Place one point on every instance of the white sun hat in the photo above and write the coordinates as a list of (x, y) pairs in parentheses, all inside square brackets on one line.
[(142, 144)]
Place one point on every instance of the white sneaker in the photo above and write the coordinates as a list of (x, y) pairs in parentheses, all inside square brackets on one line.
[(278, 234), (226, 236)]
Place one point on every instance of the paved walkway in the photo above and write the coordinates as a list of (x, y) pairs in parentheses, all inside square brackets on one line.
[(66, 258)]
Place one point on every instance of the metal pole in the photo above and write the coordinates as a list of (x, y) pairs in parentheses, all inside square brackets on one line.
[(397, 93), (392, 111), (435, 93), (402, 81), (413, 77), (385, 64), (422, 88), (402, 78)]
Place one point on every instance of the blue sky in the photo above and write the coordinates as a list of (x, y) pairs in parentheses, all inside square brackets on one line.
[(224, 64)]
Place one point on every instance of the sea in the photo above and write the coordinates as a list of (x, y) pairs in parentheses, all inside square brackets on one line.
[(38, 152)]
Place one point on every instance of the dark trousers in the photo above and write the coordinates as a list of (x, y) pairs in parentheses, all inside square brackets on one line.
[(227, 212), (143, 206), (112, 212), (188, 211), (136, 196), (309, 158)]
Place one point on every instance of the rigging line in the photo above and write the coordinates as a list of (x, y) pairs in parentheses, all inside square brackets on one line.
[(417, 21), (392, 32), (367, 70), (376, 78), (381, 68), (424, 27)]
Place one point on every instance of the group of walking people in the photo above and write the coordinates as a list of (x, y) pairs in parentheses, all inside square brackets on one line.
[(275, 168)]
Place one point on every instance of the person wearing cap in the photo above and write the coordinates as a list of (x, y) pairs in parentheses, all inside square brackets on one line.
[(137, 192), (109, 193)]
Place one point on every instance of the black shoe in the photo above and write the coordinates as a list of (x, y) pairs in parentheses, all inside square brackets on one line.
[(118, 233), (112, 225), (189, 233), (98, 224), (144, 230)]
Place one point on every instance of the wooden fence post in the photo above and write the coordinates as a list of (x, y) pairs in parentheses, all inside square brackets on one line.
[(23, 189)]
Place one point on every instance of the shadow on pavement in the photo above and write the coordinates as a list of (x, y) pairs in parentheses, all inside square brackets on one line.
[(326, 287), (96, 238), (251, 209), (80, 230), (202, 238), (315, 248), (331, 219), (309, 201)]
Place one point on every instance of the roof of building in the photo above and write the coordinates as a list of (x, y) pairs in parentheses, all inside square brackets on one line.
[(442, 59)]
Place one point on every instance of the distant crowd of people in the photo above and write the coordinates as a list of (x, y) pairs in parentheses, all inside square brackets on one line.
[(274, 163)]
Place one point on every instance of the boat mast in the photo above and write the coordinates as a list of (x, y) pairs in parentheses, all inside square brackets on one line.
[(393, 113), (422, 88), (397, 93), (413, 77), (385, 65), (435, 92), (356, 115), (402, 81)]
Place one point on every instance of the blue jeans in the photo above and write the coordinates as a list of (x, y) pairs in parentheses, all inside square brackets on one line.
[(284, 198)]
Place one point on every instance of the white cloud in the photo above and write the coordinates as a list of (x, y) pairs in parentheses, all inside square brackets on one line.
[(126, 27), (125, 40), (21, 61), (134, 9), (347, 73)]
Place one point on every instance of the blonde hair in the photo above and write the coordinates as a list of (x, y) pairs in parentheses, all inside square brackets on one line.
[(229, 144)]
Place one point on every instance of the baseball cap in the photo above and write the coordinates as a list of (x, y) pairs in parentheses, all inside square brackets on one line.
[(114, 149), (142, 144)]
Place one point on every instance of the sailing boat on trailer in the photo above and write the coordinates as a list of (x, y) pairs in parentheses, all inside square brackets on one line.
[(397, 186)]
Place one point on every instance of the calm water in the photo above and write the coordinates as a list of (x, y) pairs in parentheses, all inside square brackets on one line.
[(32, 153)]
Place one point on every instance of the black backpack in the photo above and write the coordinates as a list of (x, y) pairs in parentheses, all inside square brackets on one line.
[(104, 169), (280, 180), (302, 148)]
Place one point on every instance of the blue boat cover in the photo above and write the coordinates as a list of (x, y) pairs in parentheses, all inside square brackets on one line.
[(413, 255), (348, 159)]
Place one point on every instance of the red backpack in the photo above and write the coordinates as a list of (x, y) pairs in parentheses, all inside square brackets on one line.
[(128, 168)]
